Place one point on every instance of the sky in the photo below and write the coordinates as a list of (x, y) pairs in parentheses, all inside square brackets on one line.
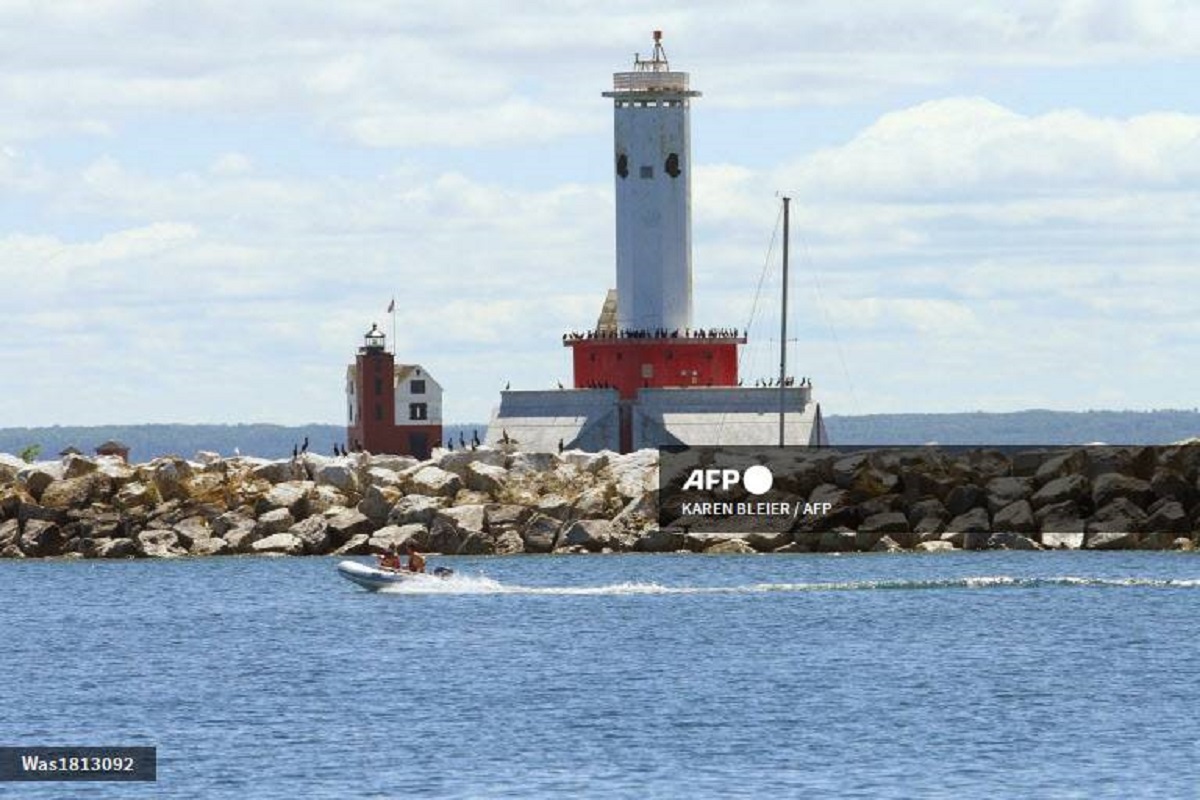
[(204, 206)]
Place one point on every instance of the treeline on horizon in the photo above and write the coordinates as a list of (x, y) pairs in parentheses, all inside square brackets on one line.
[(1033, 428)]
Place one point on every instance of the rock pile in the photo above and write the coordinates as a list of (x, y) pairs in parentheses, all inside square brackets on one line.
[(931, 498), (489, 500), (466, 502)]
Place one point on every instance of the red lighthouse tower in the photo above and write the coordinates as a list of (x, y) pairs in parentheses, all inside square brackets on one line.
[(391, 408)]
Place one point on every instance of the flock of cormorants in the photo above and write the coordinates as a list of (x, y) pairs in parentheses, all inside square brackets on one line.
[(656, 333)]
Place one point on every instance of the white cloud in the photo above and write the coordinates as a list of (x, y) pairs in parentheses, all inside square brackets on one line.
[(206, 205)]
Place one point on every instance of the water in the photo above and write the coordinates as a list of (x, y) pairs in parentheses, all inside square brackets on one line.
[(969, 675)]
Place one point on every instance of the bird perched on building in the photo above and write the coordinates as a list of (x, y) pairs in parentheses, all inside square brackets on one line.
[(507, 386)]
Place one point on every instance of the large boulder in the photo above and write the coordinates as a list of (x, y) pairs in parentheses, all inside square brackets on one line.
[(1007, 540), (973, 521), (460, 530), (730, 546), (228, 521), (158, 543), (1111, 485), (1015, 517), (274, 522), (634, 474), (767, 541), (344, 526), (415, 509), (136, 494), (10, 532), (554, 505), (1068, 488), (590, 463), (486, 478), (290, 495), (1168, 516), (75, 466), (1112, 540), (1121, 514), (397, 536), (10, 466), (506, 517), (356, 545), (1061, 465), (288, 544), (42, 538), (928, 516), (242, 537), (434, 481), (393, 463), (886, 544), (934, 546), (592, 535), (35, 478), (118, 548), (1062, 540), (659, 540), (1065, 517), (77, 492), (1003, 492), (340, 475), (213, 546), (380, 476), (964, 498), (1168, 484), (278, 471), (191, 530), (313, 534), (170, 477), (378, 501), (540, 534)]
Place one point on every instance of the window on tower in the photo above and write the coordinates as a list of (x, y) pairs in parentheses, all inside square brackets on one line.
[(623, 165), (647, 172), (672, 165), (417, 387)]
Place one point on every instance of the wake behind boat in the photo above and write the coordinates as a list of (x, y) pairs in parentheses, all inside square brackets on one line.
[(375, 578)]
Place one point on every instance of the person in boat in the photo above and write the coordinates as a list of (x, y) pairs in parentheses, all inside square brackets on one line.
[(416, 561), (391, 559)]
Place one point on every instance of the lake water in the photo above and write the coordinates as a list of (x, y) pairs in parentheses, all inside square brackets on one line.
[(965, 675)]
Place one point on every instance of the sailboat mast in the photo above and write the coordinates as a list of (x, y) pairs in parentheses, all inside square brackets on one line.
[(783, 315)]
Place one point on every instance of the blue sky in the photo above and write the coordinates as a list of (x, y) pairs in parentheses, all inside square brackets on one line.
[(204, 206)]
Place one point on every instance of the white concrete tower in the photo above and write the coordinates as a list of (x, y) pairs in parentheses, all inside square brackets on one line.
[(653, 167)]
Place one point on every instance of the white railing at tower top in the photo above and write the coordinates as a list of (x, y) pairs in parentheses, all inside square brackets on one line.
[(650, 81)]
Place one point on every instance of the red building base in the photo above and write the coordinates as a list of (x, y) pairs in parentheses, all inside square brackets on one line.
[(417, 441), (628, 364)]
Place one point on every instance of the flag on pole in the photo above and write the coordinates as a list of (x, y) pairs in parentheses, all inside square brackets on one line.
[(392, 306)]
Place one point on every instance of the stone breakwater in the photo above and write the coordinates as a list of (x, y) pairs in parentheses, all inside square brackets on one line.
[(490, 501), (460, 502), (931, 498)]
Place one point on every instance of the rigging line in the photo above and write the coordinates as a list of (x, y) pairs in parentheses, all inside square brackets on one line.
[(754, 309), (762, 277), (806, 255)]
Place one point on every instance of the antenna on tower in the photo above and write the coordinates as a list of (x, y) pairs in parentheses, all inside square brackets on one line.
[(657, 61)]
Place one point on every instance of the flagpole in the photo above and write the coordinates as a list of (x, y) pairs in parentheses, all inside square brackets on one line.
[(392, 311)]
